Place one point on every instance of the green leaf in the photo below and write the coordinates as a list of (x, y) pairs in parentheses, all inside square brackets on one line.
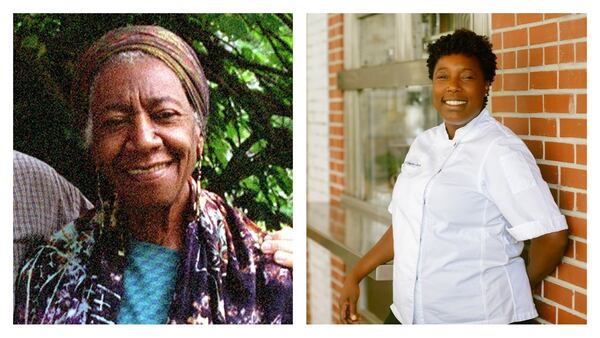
[(31, 42)]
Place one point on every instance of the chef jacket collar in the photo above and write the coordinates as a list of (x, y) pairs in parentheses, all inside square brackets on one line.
[(463, 131)]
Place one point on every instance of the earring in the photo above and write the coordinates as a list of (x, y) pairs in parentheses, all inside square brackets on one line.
[(197, 173), (99, 186), (196, 177), (107, 202)]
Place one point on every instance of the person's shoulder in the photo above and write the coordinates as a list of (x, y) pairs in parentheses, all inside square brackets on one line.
[(72, 242), (68, 243), (212, 197), (57, 265), (24, 164), (64, 247), (492, 128), (36, 182), (500, 142), (505, 137), (432, 132), (429, 135), (213, 205), (216, 207), (492, 133)]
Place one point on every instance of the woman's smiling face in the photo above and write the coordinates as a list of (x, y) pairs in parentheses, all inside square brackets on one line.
[(459, 88), (145, 139)]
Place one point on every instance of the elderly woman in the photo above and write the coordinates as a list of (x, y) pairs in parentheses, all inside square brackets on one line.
[(158, 248), (468, 195)]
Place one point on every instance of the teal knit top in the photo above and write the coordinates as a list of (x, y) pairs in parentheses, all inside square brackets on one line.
[(149, 283)]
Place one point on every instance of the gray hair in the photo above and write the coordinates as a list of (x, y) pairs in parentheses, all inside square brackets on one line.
[(125, 57)]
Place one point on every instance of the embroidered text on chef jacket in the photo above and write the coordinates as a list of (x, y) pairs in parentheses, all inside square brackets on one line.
[(461, 210)]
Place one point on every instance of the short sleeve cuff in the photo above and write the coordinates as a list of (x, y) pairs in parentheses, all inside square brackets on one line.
[(535, 229)]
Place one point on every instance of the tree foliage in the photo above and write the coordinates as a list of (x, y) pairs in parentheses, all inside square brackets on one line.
[(247, 59)]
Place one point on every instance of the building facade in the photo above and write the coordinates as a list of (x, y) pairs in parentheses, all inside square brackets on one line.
[(369, 96)]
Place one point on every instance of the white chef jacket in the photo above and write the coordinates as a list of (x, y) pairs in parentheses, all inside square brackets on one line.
[(461, 210)]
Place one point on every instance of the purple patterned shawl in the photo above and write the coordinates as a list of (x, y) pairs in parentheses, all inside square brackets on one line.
[(77, 277)]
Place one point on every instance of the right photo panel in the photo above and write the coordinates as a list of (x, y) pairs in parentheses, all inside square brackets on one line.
[(447, 168)]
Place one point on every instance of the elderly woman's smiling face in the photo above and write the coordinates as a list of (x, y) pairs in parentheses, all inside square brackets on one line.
[(145, 139)]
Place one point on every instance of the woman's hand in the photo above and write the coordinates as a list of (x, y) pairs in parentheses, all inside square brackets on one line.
[(348, 299), (281, 245), (380, 253)]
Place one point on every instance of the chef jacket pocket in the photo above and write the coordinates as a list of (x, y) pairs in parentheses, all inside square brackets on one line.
[(517, 172)]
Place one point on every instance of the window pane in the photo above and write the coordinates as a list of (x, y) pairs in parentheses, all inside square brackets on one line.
[(377, 40), (390, 121)]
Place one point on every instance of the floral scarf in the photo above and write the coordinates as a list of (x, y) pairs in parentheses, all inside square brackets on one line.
[(223, 277)]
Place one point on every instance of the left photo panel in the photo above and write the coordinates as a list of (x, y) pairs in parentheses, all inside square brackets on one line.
[(152, 169)]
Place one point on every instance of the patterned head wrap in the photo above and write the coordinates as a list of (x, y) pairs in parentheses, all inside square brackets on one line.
[(152, 40)]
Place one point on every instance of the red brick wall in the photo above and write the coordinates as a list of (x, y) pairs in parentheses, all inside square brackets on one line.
[(338, 271), (336, 118), (336, 148), (540, 93)]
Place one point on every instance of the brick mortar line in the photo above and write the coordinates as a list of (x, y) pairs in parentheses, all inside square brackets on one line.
[(337, 186), (575, 91), (569, 165), (538, 45), (335, 25), (574, 262), (566, 212), (563, 164), (560, 306), (570, 189), (567, 285), (333, 50), (338, 271), (578, 239), (573, 190), (542, 321), (569, 17), (552, 67), (572, 213), (572, 140), (542, 115)]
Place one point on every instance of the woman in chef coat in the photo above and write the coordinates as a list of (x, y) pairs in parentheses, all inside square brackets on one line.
[(469, 194)]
